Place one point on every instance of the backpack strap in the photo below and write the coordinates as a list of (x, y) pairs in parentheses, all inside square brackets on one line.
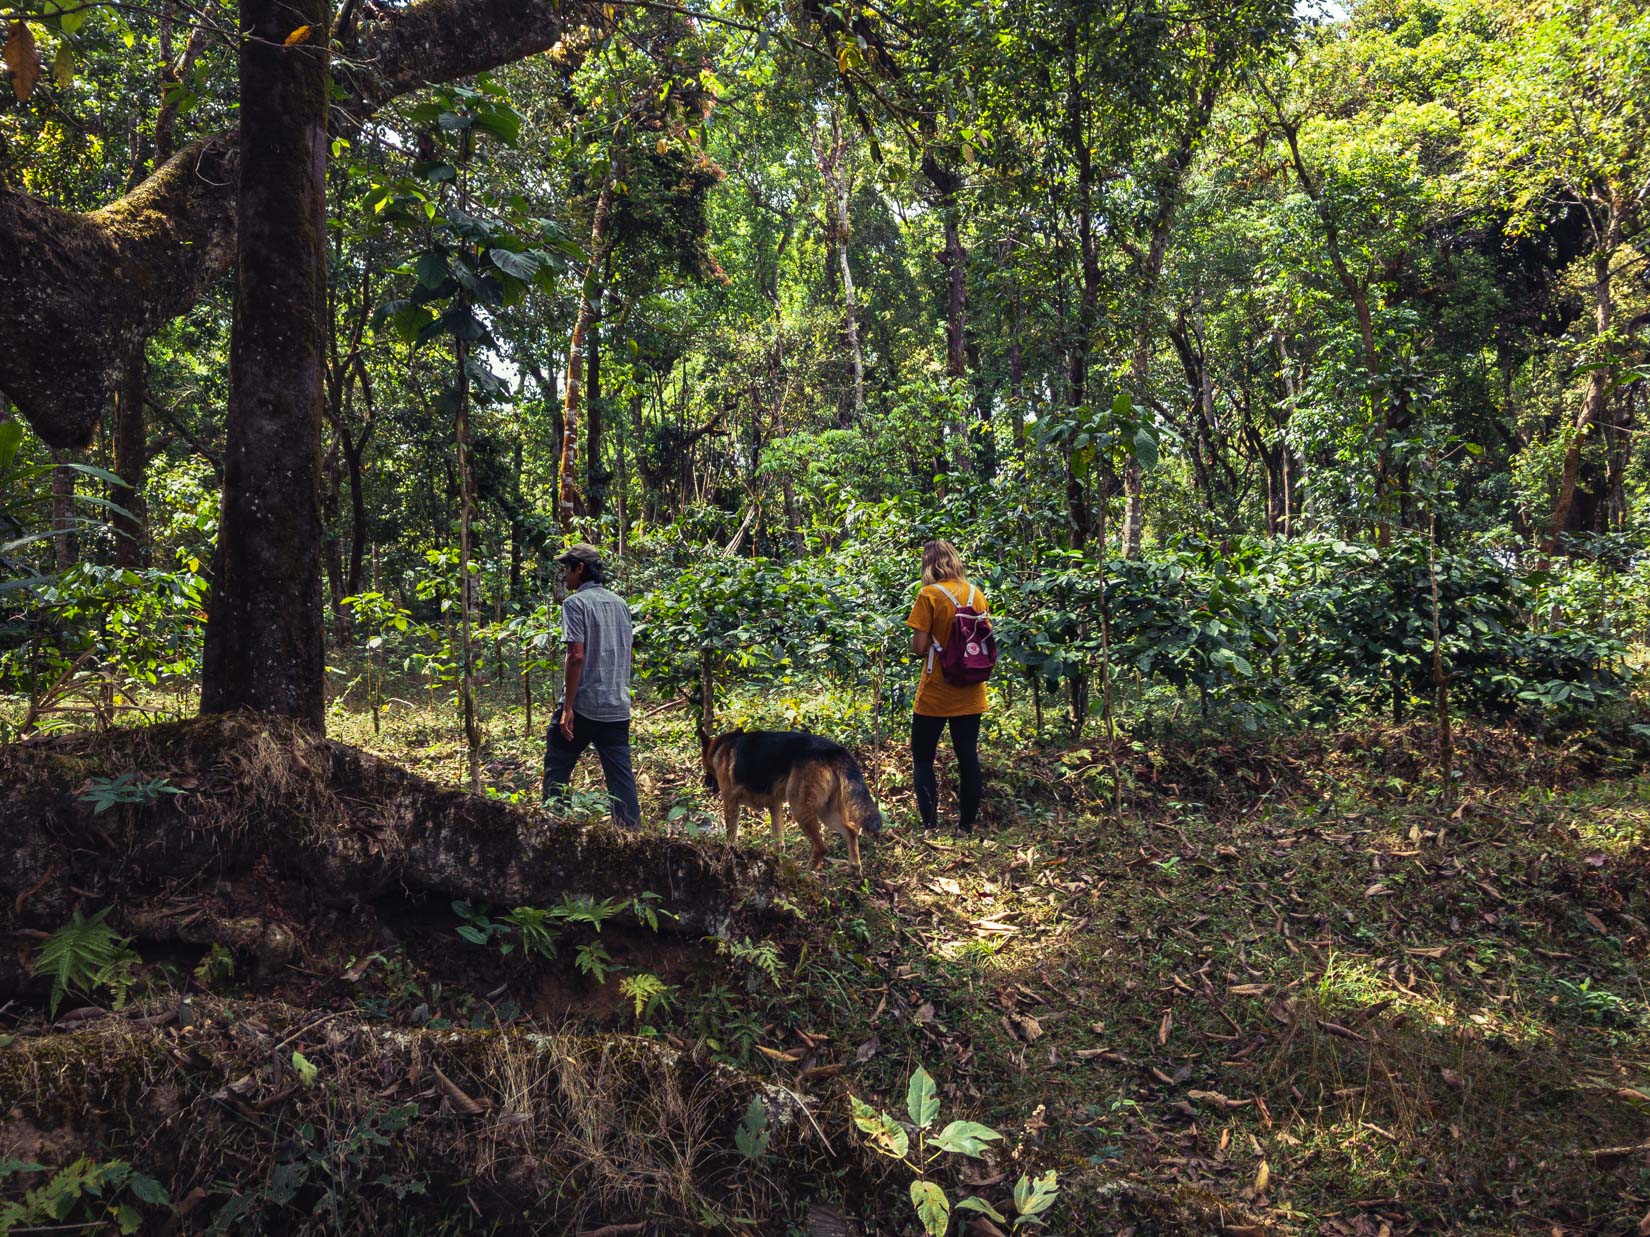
[(934, 644)]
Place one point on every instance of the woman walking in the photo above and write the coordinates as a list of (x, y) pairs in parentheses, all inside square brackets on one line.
[(940, 702)]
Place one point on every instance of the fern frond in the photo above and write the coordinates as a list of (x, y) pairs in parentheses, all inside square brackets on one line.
[(79, 955)]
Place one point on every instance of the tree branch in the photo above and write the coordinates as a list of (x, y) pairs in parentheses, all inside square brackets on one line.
[(77, 291)]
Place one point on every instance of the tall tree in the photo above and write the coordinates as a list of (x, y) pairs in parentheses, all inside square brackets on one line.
[(265, 642)]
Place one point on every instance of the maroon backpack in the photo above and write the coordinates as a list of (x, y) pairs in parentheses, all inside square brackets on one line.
[(970, 649)]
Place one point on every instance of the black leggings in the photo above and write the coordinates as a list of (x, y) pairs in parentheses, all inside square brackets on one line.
[(965, 741)]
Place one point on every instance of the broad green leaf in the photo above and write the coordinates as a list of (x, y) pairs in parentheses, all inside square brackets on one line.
[(431, 270), (1032, 1198), (519, 265), (1145, 447), (922, 1099), (933, 1208), (966, 1138), (976, 1203), (11, 437), (149, 1190)]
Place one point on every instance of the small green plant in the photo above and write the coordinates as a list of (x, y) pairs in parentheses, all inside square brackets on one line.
[(215, 966), (84, 955), (335, 1165), (87, 1195), (763, 957), (308, 1072), (587, 910), (104, 793), (648, 993), (478, 928), (537, 931), (587, 805), (647, 911), (595, 961), (1596, 1005), (752, 1135), (893, 1138)]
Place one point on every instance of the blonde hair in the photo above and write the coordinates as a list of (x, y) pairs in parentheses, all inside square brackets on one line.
[(940, 561)]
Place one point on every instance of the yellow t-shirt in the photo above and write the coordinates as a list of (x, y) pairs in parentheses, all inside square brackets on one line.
[(933, 610)]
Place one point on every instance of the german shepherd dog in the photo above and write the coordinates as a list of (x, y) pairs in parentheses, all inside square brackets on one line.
[(767, 769)]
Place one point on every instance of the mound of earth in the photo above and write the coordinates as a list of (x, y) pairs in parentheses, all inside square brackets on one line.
[(283, 846)]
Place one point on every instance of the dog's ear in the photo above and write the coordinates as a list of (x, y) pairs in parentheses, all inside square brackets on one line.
[(704, 736)]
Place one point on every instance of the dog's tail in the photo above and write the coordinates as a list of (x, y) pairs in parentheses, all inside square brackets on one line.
[(858, 804), (706, 743)]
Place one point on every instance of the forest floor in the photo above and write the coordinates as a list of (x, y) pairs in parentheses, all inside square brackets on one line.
[(1284, 980), (1275, 985)]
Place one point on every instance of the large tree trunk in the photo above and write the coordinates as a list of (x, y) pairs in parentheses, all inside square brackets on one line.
[(264, 638), (79, 291)]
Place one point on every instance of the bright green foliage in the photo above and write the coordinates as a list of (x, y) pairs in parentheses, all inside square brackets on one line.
[(647, 992), (104, 793), (85, 955), (105, 1195), (918, 1150)]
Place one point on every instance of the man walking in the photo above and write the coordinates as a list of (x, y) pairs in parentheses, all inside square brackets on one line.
[(595, 707)]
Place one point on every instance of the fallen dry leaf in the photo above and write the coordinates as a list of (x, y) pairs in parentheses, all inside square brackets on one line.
[(1263, 1177), (23, 59), (1165, 1027), (1216, 1099), (461, 1103)]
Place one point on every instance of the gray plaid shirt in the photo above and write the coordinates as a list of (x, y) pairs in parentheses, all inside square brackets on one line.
[(598, 618)]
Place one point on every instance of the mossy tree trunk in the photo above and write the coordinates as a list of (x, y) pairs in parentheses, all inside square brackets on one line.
[(264, 638)]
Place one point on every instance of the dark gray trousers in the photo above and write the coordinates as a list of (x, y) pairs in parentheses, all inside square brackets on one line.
[(612, 743)]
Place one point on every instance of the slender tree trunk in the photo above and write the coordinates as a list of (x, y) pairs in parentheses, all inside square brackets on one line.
[(1440, 680), (131, 466), (1357, 292), (466, 586), (353, 451), (1598, 384), (588, 294), (839, 186), (1076, 134), (515, 526), (264, 639), (65, 545), (596, 476)]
